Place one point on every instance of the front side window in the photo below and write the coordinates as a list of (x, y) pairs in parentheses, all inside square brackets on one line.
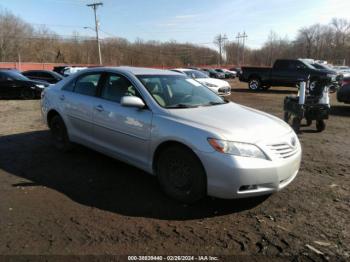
[(117, 86), (87, 84), (171, 91)]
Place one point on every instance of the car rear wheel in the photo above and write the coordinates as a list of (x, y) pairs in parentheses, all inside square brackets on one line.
[(59, 134), (254, 84), (296, 124), (320, 125), (181, 174), (287, 116)]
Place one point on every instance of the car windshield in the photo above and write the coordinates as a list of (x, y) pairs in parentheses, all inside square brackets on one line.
[(173, 91), (16, 76), (195, 74)]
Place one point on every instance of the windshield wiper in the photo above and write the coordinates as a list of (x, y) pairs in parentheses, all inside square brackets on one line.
[(182, 106), (215, 103)]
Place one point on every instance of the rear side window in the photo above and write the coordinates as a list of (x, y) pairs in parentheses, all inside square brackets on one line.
[(282, 64), (85, 85)]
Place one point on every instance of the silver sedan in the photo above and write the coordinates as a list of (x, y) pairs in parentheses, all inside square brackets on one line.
[(171, 126)]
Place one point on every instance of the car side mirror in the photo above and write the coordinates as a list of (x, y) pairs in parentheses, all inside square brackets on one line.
[(132, 101)]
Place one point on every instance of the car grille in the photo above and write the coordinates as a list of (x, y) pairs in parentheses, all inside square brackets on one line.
[(283, 150)]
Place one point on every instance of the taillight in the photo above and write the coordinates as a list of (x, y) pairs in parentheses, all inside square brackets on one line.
[(345, 82)]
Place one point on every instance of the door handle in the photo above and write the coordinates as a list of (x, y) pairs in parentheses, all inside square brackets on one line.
[(99, 108), (62, 97)]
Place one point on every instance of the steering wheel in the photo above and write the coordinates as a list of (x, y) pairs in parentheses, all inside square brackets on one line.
[(186, 98)]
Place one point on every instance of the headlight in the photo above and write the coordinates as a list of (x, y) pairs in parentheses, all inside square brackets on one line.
[(332, 77), (236, 148), (40, 86), (209, 85)]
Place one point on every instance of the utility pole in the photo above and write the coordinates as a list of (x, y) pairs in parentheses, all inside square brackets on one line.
[(240, 36), (94, 7), (244, 36), (238, 46), (220, 41)]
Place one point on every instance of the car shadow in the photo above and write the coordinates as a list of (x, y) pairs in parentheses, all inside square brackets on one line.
[(340, 110), (95, 180), (270, 91)]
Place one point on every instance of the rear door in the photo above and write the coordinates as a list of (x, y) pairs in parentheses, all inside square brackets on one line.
[(77, 100), (119, 130)]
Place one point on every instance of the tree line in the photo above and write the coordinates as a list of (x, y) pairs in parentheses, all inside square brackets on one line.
[(20, 41), (329, 42)]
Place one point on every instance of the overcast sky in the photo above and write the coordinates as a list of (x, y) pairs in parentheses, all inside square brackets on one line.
[(196, 21)]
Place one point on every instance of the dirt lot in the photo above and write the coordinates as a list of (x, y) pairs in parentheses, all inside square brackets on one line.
[(86, 203)]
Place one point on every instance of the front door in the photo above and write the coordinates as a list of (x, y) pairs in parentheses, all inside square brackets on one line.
[(122, 131)]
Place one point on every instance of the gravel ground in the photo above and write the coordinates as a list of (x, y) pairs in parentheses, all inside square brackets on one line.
[(85, 203)]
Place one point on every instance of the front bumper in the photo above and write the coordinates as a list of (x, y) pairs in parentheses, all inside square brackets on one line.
[(224, 91), (231, 176)]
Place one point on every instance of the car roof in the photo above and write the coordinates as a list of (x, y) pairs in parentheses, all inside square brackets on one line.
[(141, 70), (30, 71), (185, 69)]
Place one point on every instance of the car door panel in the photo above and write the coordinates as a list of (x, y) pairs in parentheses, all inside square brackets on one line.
[(78, 111), (123, 131), (77, 106)]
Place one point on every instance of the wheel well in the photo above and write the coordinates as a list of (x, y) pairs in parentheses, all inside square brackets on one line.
[(50, 115), (254, 77), (166, 145)]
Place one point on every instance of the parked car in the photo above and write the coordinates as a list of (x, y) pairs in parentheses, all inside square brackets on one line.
[(285, 72), (70, 70), (339, 77), (15, 85), (171, 126), (213, 74), (344, 70), (227, 73), (343, 94), (50, 77), (60, 69), (218, 86), (238, 70)]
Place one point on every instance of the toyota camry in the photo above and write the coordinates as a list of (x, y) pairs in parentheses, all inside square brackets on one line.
[(173, 127)]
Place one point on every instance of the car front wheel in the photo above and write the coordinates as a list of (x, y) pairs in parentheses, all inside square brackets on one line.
[(181, 174)]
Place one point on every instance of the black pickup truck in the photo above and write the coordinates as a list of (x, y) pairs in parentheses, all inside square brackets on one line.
[(285, 72)]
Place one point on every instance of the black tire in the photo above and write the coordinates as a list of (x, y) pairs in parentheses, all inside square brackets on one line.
[(254, 84), (59, 134), (181, 174), (320, 125), (296, 124), (287, 116), (265, 88), (28, 94), (308, 122)]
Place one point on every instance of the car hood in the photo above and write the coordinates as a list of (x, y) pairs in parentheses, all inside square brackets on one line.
[(326, 71), (213, 81), (234, 122), (38, 82)]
